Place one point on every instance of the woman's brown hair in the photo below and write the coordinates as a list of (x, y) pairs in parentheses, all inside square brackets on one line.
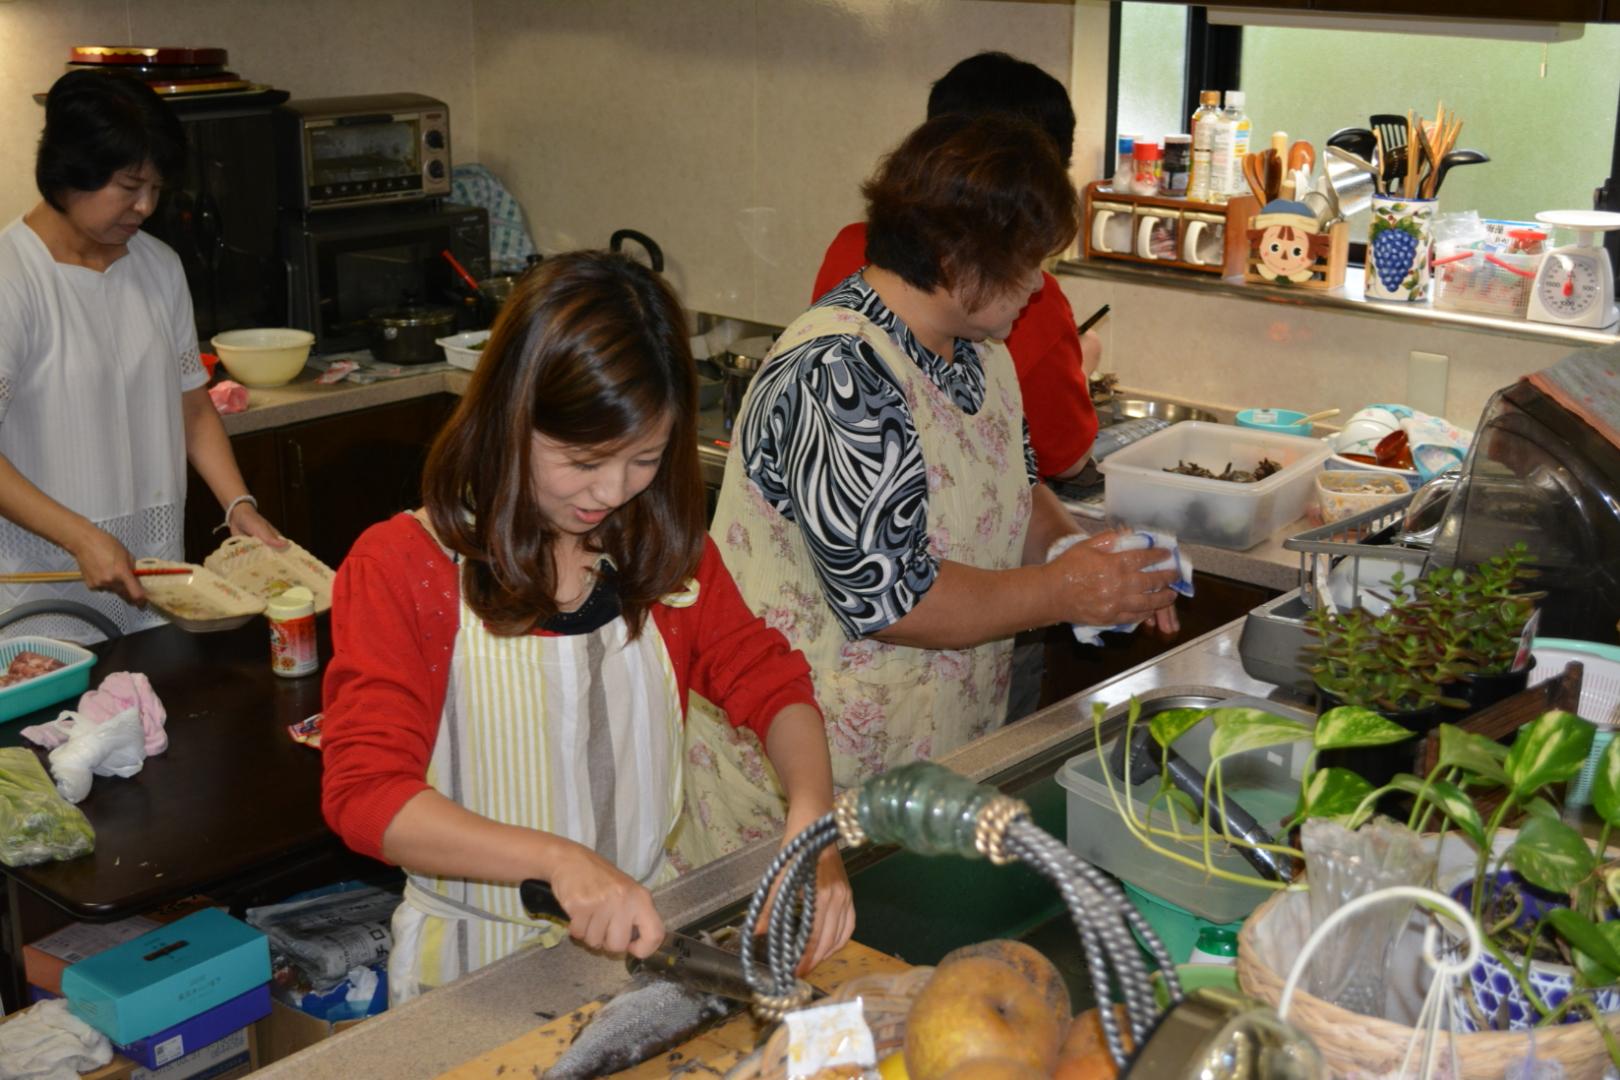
[(590, 350), (970, 204)]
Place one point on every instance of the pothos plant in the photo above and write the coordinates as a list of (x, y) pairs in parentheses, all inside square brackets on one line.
[(1545, 852)]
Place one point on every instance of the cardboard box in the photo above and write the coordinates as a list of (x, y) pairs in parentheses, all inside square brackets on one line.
[(288, 1030), (45, 960), (167, 975)]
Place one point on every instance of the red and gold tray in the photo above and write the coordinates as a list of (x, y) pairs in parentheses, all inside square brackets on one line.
[(146, 54)]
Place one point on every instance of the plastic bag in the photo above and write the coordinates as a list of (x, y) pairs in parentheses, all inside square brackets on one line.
[(36, 824)]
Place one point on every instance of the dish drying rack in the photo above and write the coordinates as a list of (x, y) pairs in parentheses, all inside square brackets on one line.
[(1274, 635)]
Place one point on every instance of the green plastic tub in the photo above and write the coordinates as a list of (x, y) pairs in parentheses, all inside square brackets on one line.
[(42, 690)]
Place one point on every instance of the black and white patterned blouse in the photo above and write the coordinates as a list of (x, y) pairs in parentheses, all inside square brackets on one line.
[(829, 439)]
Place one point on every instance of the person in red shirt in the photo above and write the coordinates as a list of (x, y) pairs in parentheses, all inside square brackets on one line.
[(511, 662), (1052, 359)]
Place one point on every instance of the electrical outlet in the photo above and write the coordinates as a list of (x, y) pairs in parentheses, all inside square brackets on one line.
[(1426, 382)]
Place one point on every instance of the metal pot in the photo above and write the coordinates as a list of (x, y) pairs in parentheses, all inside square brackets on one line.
[(738, 362), (409, 335)]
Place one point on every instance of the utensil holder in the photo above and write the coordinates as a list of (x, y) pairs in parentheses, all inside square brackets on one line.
[(1398, 247), (1322, 255)]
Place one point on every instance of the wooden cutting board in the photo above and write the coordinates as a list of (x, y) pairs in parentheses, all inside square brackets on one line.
[(528, 1056)]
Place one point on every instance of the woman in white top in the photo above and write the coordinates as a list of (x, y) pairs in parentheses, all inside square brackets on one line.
[(102, 394)]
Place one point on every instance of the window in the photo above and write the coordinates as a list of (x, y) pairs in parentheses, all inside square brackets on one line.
[(1545, 113)]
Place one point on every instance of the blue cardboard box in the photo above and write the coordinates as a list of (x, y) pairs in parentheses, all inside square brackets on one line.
[(204, 1029), (168, 975)]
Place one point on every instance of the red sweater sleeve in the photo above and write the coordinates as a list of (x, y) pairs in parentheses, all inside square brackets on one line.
[(395, 612), (845, 255), (1045, 347), (729, 655)]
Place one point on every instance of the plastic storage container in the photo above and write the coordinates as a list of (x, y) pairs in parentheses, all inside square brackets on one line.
[(1264, 782), (1492, 283), (42, 690), (1217, 512)]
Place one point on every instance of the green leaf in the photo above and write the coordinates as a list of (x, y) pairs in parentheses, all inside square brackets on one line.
[(1241, 730), (1451, 801), (1540, 807), (1172, 724), (1350, 725), (1332, 793), (1550, 749), (1551, 855), (1473, 754), (1597, 944), (1606, 784)]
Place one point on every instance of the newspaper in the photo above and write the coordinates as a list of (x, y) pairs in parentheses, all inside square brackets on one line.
[(328, 935)]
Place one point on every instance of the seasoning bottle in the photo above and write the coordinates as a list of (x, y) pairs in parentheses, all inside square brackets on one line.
[(1149, 162), (1203, 135), (1177, 160), (1124, 164), (292, 632)]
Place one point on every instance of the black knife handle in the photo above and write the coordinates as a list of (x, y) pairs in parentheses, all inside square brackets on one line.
[(540, 901)]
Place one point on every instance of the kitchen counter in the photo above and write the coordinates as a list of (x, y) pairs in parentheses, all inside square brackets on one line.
[(1266, 564), (438, 1031)]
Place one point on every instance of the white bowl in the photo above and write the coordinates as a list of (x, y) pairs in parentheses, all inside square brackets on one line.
[(464, 349), (265, 356)]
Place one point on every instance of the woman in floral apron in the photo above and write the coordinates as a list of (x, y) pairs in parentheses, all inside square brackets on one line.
[(881, 506), (511, 662)]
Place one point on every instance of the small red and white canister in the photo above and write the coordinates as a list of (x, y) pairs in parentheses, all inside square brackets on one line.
[(292, 632)]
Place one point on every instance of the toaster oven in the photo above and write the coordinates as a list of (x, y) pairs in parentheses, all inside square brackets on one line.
[(373, 148)]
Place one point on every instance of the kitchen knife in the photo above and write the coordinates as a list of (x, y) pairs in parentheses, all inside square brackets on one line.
[(686, 959)]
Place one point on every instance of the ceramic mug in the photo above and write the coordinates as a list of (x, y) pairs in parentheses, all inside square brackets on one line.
[(1398, 244)]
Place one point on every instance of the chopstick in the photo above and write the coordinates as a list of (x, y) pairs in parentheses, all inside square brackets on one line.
[(1095, 317), (40, 577)]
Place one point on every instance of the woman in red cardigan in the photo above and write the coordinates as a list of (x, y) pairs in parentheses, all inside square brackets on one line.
[(511, 661)]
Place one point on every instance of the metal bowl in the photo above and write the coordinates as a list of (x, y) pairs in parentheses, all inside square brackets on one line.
[(1168, 411)]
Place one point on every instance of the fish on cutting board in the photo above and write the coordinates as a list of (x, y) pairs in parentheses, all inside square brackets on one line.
[(652, 1015)]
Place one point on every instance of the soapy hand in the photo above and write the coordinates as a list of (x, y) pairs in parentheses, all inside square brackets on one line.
[(1129, 576)]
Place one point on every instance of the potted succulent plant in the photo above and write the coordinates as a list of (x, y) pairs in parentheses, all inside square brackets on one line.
[(1544, 895), (1446, 640)]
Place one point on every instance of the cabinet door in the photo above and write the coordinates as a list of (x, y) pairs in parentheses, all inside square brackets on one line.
[(259, 458), (346, 473)]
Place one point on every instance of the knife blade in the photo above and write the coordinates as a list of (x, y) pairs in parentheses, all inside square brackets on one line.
[(688, 960)]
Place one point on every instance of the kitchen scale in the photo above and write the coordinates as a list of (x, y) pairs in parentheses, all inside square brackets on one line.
[(1575, 283)]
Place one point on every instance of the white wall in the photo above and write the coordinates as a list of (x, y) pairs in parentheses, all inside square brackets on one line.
[(734, 132)]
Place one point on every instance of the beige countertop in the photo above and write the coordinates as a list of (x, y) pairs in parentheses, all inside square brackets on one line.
[(488, 1008)]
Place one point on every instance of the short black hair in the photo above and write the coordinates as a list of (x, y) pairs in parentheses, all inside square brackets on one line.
[(993, 82), (97, 124)]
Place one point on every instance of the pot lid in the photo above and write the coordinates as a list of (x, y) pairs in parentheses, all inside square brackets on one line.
[(146, 54), (413, 315)]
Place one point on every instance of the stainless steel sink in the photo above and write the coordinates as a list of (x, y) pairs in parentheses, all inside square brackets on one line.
[(1137, 408)]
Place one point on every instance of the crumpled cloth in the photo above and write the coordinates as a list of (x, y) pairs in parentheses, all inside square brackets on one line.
[(228, 397), (117, 693), (113, 748), (1131, 541), (47, 1042)]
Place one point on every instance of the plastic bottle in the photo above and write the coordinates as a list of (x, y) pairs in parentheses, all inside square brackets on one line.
[(1124, 164), (1203, 134), (292, 632), (1229, 148), (1216, 945)]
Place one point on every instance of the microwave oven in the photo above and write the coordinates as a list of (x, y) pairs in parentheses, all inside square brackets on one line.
[(372, 148), (345, 264)]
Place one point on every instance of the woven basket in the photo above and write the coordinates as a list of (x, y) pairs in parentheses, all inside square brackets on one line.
[(1354, 1045), (885, 1001)]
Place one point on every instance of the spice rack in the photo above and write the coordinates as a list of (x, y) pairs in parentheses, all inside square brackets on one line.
[(1156, 230)]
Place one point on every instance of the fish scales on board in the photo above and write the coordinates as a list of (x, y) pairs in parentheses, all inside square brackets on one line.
[(653, 1015)]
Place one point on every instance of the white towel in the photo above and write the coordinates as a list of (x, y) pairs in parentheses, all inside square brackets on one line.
[(1132, 541), (47, 1042)]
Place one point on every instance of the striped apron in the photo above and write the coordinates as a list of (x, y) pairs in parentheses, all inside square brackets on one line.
[(576, 735)]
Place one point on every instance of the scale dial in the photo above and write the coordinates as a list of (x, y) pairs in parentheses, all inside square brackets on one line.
[(1570, 286)]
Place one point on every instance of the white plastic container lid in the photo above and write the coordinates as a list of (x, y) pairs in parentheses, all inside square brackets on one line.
[(294, 603)]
